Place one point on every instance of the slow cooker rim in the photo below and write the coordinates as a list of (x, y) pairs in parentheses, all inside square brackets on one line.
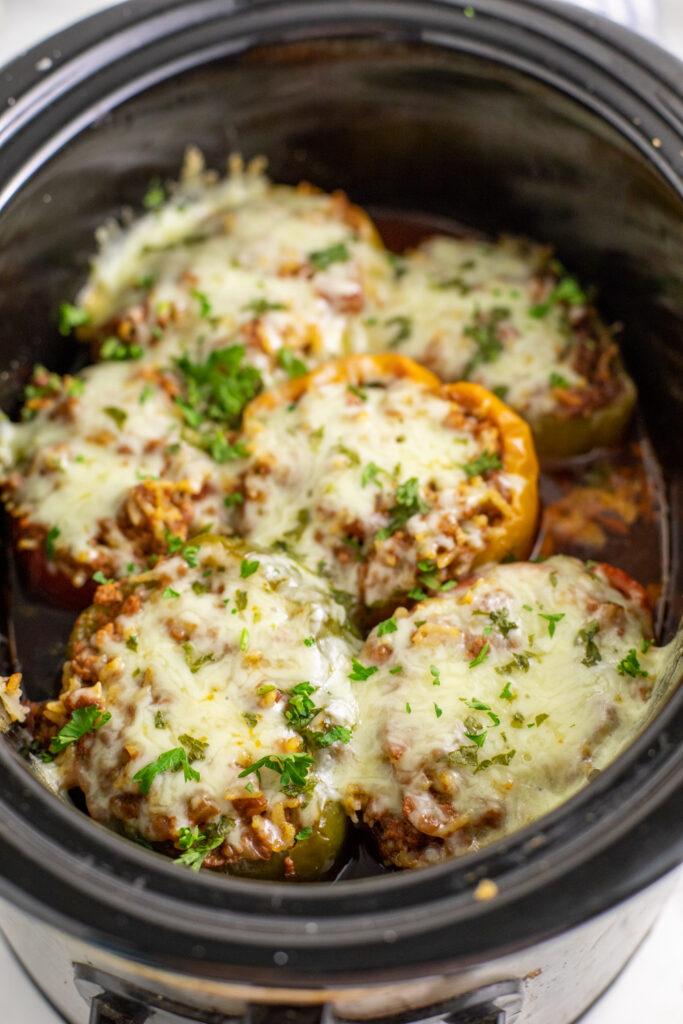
[(24, 86), (564, 810)]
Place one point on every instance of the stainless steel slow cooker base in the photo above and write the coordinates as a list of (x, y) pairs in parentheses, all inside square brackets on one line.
[(527, 118), (533, 986)]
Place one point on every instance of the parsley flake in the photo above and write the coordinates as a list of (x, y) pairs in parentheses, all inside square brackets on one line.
[(482, 464), (292, 769), (388, 626), (408, 504), (170, 761), (52, 535), (630, 666), (324, 258), (71, 317), (248, 568), (586, 636), (360, 672), (482, 656), (82, 721), (292, 366), (262, 305), (112, 349), (552, 621)]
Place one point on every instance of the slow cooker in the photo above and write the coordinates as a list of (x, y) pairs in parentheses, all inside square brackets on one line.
[(528, 117)]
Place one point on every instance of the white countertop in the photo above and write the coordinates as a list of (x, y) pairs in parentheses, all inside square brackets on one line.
[(650, 989)]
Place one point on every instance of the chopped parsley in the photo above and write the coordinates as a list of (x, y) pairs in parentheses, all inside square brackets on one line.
[(567, 290), (586, 636), (170, 592), (261, 306), (324, 258), (99, 577), (409, 710), (503, 759), (482, 656), (630, 666), (556, 380), (292, 366), (195, 846), (292, 769), (519, 661), (358, 392), (552, 621), (499, 621), (250, 718), (71, 317), (303, 518), (371, 473), (403, 328), (360, 672), (506, 692), (477, 737), (119, 416), (193, 660), (301, 710), (196, 749), (396, 670), (645, 646), (484, 332), (244, 639), (437, 710), (217, 390), (482, 464), (155, 195), (236, 498), (477, 704), (337, 734), (248, 568), (52, 535), (388, 626), (160, 720), (82, 721), (241, 600), (303, 833), (113, 348), (170, 761), (435, 674), (132, 643), (408, 503)]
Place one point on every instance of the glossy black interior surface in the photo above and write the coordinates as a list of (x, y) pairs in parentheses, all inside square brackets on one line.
[(453, 124)]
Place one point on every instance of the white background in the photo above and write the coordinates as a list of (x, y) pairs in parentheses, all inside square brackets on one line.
[(650, 990)]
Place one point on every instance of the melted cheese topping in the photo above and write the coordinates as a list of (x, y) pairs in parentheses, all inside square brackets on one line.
[(79, 460), (271, 267), (324, 481), (450, 288), (283, 269), (210, 654), (485, 708)]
